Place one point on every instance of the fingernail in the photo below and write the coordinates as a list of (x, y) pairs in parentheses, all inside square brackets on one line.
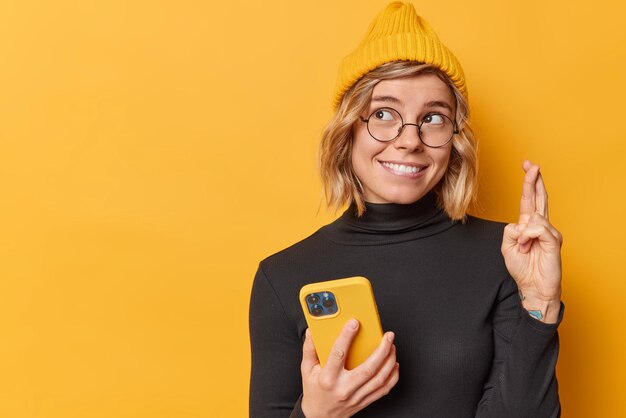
[(353, 323), (307, 333), (390, 337)]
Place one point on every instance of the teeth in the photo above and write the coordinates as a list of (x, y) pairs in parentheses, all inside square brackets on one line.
[(402, 168)]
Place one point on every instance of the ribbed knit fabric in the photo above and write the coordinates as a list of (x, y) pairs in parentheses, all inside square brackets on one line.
[(397, 34), (466, 346)]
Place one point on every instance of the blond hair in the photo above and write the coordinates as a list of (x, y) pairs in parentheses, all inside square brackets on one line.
[(457, 189)]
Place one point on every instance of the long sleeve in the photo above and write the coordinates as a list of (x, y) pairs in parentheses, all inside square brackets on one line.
[(522, 382), (275, 381)]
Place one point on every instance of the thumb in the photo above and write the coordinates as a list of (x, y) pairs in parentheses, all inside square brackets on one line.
[(309, 355)]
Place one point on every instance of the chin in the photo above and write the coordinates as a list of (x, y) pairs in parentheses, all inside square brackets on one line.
[(407, 200)]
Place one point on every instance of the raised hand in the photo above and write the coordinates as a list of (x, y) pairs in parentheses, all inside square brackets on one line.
[(532, 250), (332, 391)]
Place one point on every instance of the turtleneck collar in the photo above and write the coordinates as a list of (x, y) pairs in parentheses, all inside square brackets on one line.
[(386, 223)]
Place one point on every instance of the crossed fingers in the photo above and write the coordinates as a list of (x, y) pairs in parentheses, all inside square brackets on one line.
[(534, 217), (534, 194)]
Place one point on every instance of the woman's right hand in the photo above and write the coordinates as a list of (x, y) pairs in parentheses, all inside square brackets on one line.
[(334, 392)]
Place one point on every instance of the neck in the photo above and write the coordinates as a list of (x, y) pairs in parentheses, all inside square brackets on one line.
[(390, 222)]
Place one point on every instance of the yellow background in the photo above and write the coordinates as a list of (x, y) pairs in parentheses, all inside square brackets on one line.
[(152, 152)]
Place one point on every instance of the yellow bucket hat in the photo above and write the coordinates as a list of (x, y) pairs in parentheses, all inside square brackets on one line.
[(397, 34)]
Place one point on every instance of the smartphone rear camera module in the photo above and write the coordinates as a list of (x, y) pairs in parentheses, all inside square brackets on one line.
[(321, 303)]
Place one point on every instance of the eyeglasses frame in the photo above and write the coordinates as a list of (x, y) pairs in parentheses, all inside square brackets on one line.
[(455, 130)]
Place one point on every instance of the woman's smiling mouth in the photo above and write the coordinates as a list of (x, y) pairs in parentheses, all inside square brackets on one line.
[(403, 169)]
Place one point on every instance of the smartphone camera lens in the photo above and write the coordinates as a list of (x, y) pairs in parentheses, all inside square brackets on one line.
[(328, 302), (313, 299), (317, 310)]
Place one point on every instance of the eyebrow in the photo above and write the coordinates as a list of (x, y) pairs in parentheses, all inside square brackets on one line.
[(438, 103), (390, 99), (430, 104)]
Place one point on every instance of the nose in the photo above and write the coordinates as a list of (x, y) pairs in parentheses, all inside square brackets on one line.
[(409, 138)]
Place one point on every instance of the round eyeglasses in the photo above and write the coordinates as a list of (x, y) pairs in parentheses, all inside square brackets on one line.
[(386, 124)]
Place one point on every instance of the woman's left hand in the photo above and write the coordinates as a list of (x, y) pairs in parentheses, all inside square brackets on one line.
[(532, 250)]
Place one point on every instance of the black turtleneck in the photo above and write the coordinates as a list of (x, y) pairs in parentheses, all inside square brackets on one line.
[(466, 346)]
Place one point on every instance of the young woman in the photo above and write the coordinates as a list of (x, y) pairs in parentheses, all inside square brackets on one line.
[(473, 305)]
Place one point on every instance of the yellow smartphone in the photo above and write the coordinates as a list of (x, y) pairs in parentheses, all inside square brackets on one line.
[(329, 305)]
